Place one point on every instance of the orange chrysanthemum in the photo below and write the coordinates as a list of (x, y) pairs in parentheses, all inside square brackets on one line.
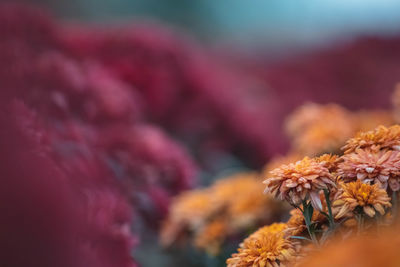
[(357, 194), (317, 129), (365, 251), (377, 139), (277, 161), (192, 206), (230, 206), (377, 167), (188, 211), (369, 120), (265, 248), (323, 137), (310, 113), (296, 223), (211, 236), (329, 161), (298, 181), (242, 200), (268, 229)]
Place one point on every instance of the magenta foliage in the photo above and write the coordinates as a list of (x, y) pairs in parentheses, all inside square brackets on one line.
[(70, 107), (55, 214), (82, 93), (144, 158), (357, 74), (184, 88)]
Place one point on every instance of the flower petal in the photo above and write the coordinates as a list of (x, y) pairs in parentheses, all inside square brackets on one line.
[(369, 211), (316, 201)]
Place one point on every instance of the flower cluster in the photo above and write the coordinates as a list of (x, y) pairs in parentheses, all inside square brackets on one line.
[(217, 212), (333, 195), (377, 139), (269, 246), (373, 157), (317, 129), (89, 120)]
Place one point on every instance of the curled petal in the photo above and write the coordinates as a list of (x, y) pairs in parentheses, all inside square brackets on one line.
[(302, 180), (338, 202), (311, 177), (369, 169), (369, 211), (361, 176), (316, 201), (379, 209), (290, 184), (343, 211)]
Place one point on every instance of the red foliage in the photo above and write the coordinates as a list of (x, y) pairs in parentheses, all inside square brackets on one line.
[(184, 88)]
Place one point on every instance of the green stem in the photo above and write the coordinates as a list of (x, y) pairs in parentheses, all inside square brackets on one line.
[(312, 234), (328, 203), (307, 214)]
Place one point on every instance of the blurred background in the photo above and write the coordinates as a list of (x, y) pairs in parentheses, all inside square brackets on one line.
[(270, 24), (181, 93)]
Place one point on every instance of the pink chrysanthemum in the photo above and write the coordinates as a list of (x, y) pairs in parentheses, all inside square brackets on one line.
[(377, 167), (298, 181)]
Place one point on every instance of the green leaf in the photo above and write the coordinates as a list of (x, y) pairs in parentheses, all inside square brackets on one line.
[(301, 237)]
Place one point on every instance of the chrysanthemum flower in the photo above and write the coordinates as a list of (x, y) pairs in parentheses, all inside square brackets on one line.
[(381, 167), (277, 161), (211, 236), (230, 206), (268, 229), (243, 201), (265, 248), (310, 113), (296, 182), (329, 161), (192, 205), (357, 194), (367, 120), (323, 137), (379, 138), (317, 129), (296, 224), (189, 210)]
